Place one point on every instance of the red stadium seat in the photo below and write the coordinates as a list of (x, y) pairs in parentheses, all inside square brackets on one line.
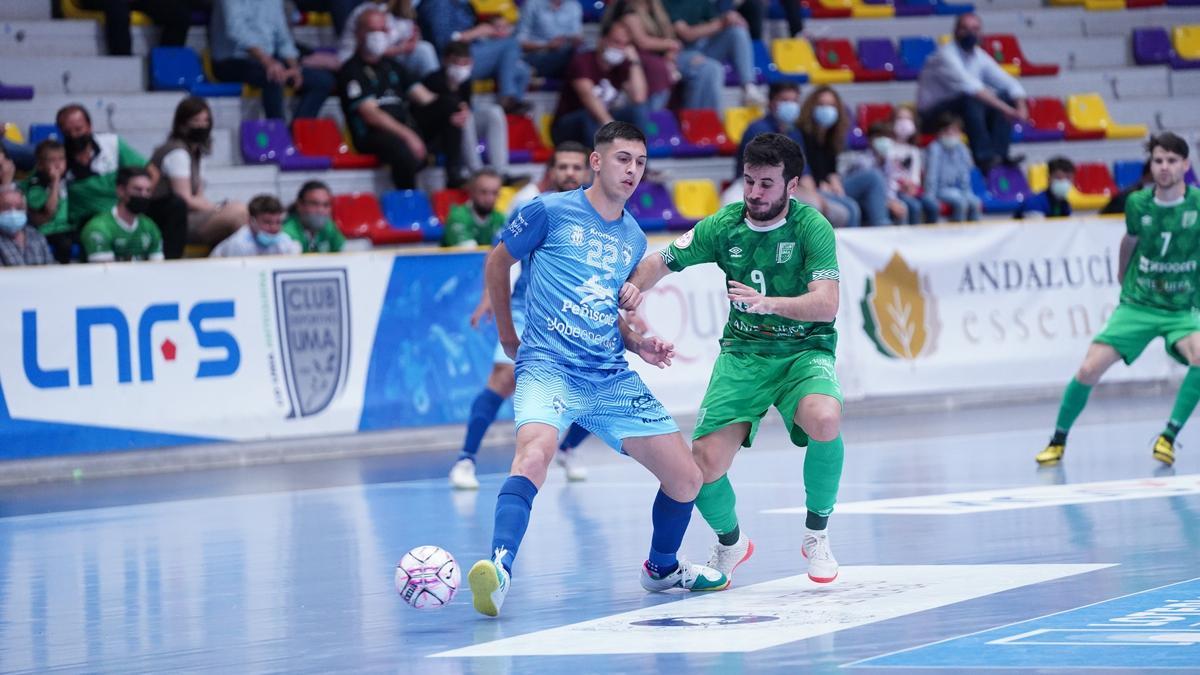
[(443, 200), (1006, 50), (819, 9), (359, 216), (524, 142), (321, 138), (838, 54), (870, 113), (703, 127), (1094, 178), (1050, 114)]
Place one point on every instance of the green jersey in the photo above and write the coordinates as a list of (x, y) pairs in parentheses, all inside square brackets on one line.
[(778, 260), (37, 193), (325, 240), (105, 240), (462, 228), (1163, 270), (93, 189)]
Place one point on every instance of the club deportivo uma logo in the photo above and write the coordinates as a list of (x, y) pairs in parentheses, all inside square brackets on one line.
[(900, 312)]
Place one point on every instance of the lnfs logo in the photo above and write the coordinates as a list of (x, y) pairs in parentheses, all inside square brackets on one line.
[(899, 312), (89, 318)]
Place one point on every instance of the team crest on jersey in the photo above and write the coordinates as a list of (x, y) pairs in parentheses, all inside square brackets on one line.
[(1147, 221), (783, 252), (735, 252), (685, 239), (577, 235), (1189, 218)]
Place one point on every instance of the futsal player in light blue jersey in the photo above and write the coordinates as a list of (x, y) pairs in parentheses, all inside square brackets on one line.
[(567, 170), (570, 364)]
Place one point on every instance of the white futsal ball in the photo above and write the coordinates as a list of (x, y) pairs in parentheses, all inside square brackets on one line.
[(427, 577)]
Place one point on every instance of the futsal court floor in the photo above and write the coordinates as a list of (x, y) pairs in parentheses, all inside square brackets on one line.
[(957, 553)]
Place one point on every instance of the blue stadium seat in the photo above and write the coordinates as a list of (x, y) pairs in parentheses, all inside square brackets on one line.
[(179, 69), (914, 51), (410, 211), (1127, 172), (40, 132)]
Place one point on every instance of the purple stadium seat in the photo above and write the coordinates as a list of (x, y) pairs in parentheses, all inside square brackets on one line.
[(666, 140), (944, 7), (915, 7), (1152, 46), (1008, 183), (268, 142), (651, 205), (1183, 3), (992, 203), (1190, 178), (880, 54), (12, 92)]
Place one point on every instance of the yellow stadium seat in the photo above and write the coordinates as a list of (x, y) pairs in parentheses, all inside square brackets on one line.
[(737, 119), (1186, 41), (504, 198), (544, 124), (1064, 3), (861, 10), (13, 133), (483, 86), (1039, 177), (696, 198), (72, 10), (1039, 181), (1088, 112), (1011, 68), (507, 9), (1103, 5), (796, 55), (318, 19)]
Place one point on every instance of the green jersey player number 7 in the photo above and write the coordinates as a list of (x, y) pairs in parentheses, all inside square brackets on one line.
[(777, 349)]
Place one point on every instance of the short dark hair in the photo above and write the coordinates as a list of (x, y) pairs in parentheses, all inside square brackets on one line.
[(608, 28), (67, 110), (773, 149), (486, 172), (456, 48), (571, 146), (945, 121), (1169, 142), (264, 204), (128, 173), (311, 186), (1060, 164), (778, 88), (617, 129), (48, 145), (880, 129)]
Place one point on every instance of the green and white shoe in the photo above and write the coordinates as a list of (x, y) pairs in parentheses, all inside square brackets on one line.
[(489, 584), (688, 576)]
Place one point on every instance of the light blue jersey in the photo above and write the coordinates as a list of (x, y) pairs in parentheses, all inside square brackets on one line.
[(577, 264)]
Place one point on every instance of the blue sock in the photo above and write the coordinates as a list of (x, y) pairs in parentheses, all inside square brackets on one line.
[(670, 520), (512, 517), (483, 413), (573, 438)]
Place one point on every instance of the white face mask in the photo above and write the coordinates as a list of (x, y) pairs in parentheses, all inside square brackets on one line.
[(825, 116), (1061, 188), (787, 111), (905, 128), (377, 43), (882, 145), (458, 74), (613, 56)]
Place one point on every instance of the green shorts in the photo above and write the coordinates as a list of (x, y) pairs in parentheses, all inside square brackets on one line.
[(744, 386), (1132, 327)]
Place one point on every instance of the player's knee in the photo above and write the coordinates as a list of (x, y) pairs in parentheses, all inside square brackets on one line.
[(823, 424), (532, 460), (708, 461), (686, 485), (1089, 374)]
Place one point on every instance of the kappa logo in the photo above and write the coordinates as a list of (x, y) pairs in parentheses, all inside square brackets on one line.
[(899, 312), (783, 252), (735, 252), (577, 235), (312, 308)]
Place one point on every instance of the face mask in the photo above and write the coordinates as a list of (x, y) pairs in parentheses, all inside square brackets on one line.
[(75, 145), (614, 56), (138, 205), (882, 145), (905, 128), (12, 221), (198, 134), (265, 239), (949, 141), (458, 73), (825, 116), (1061, 188), (312, 221), (787, 111), (377, 43), (968, 41)]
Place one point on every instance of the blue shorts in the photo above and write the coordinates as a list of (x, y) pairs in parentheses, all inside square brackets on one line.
[(499, 357), (614, 406)]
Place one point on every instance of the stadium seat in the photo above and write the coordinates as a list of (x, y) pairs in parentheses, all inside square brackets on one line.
[(71, 9), (40, 132), (524, 142), (696, 199), (1088, 112), (991, 202), (664, 139), (766, 71), (1152, 46), (1186, 40), (409, 211), (1007, 52), (1039, 177), (593, 10), (1127, 172), (505, 9), (838, 54), (268, 142), (15, 92), (945, 8), (866, 115), (864, 9), (1094, 186), (505, 197), (652, 207), (321, 138), (1008, 184), (1139, 4), (880, 54), (358, 216), (444, 200), (12, 133), (736, 121), (914, 51), (915, 7), (1183, 3), (1047, 122), (701, 127), (1103, 5), (795, 55), (180, 69), (828, 9), (545, 122)]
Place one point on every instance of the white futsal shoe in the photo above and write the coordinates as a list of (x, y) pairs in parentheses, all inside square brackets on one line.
[(725, 559), (462, 475), (822, 567), (489, 584), (689, 576), (569, 461)]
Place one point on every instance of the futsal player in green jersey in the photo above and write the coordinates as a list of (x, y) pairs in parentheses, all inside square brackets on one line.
[(1159, 270), (777, 349)]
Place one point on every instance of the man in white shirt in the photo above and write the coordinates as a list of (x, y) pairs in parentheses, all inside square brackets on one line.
[(963, 79), (263, 235)]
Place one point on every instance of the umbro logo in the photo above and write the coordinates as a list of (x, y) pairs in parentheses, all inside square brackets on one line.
[(735, 252)]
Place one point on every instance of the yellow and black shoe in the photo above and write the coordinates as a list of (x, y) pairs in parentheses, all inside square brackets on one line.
[(1051, 455), (1164, 450)]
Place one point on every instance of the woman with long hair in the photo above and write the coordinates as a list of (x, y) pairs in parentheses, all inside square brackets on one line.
[(824, 123), (650, 28)]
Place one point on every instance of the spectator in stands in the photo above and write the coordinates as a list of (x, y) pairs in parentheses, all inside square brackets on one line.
[(46, 194), (753, 11), (908, 160), (658, 48), (174, 16), (373, 92), (566, 169), (794, 14), (20, 242), (125, 233), (903, 209), (602, 84), (549, 31), (948, 172), (494, 49), (1052, 202), (824, 122), (418, 57), (1117, 203), (180, 160), (963, 79), (14, 157), (310, 222), (781, 117), (716, 39), (477, 222), (262, 235), (339, 11), (445, 94), (252, 43), (92, 163)]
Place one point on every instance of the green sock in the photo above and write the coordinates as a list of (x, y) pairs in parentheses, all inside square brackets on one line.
[(716, 503), (1185, 403), (1073, 401), (822, 474)]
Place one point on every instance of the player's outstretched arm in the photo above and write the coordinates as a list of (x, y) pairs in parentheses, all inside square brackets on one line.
[(1128, 245), (649, 272), (496, 277), (653, 350), (820, 303)]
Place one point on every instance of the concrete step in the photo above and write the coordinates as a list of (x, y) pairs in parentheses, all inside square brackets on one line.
[(149, 110), (76, 74), (225, 150), (28, 10), (75, 37), (1122, 23)]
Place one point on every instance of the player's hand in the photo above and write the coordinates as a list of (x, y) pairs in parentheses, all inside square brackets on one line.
[(656, 351), (482, 314), (511, 347), (630, 297), (750, 300)]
